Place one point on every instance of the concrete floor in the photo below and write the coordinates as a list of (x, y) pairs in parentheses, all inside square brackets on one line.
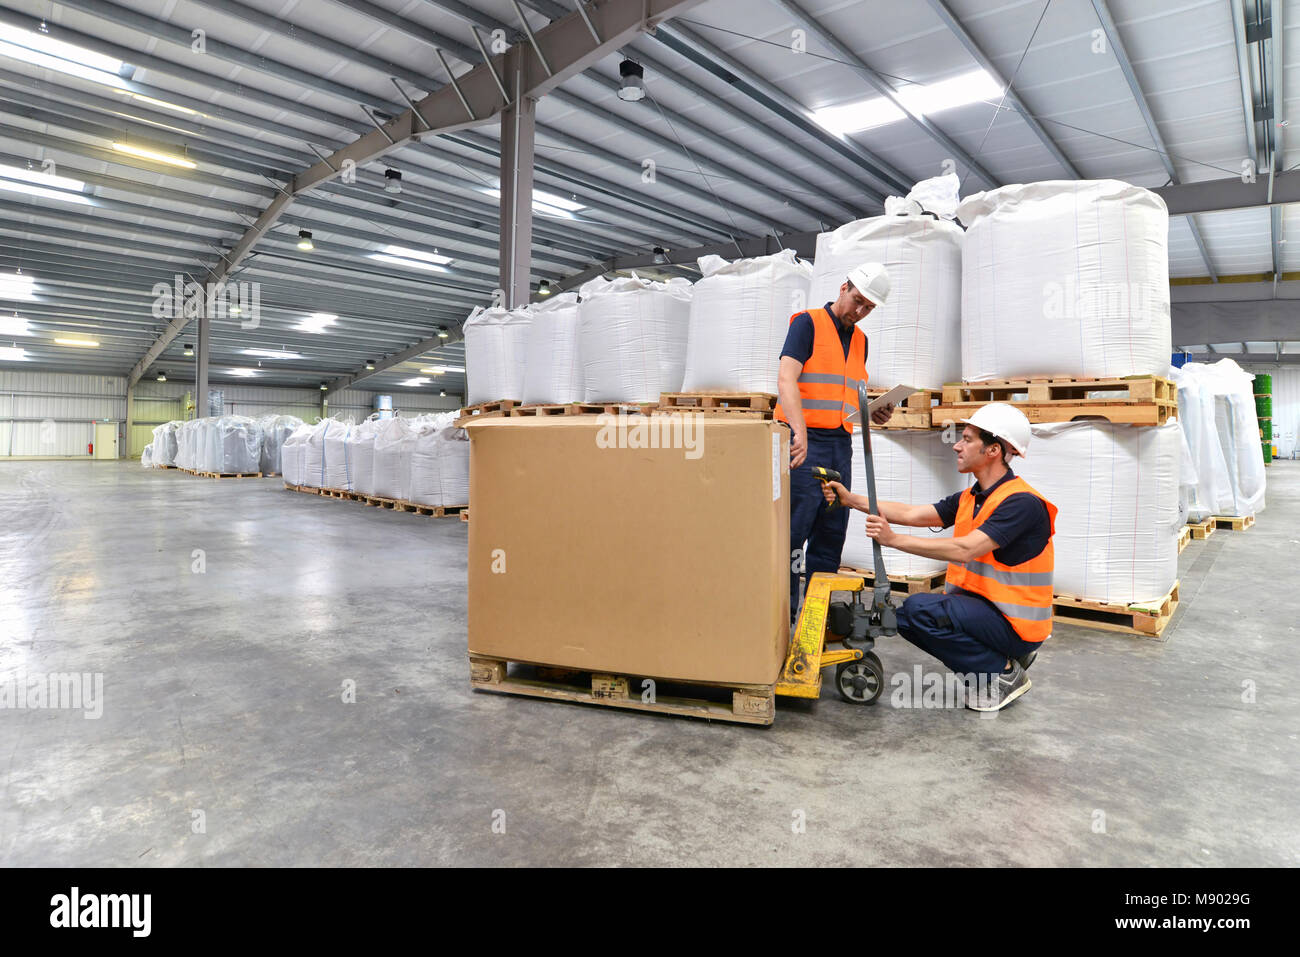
[(222, 694)]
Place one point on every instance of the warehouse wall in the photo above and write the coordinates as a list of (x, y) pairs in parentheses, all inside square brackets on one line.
[(51, 413)]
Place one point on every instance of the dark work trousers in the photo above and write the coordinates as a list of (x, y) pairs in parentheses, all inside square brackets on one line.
[(812, 527), (964, 631)]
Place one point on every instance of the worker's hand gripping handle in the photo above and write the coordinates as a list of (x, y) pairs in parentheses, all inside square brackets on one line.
[(825, 475)]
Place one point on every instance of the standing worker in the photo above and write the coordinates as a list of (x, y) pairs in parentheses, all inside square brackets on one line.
[(823, 360), (996, 610)]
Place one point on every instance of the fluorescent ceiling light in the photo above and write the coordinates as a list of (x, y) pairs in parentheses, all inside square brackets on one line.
[(405, 253), (59, 194), (14, 326), (926, 99), (85, 343), (1261, 348), (415, 382), (1290, 348), (154, 155), (15, 286), (271, 354), (164, 104), (546, 203), (242, 373), (43, 51), (316, 322), (12, 354), (41, 178), (409, 263), (439, 370)]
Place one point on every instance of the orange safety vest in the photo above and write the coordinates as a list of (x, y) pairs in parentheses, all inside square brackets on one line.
[(828, 382), (1023, 593)]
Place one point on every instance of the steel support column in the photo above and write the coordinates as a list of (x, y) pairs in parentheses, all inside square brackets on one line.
[(201, 352), (518, 129)]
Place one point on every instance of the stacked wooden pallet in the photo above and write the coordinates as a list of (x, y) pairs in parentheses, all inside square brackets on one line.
[(916, 412), (1146, 619), (219, 475), (1132, 400), (758, 405), (398, 505)]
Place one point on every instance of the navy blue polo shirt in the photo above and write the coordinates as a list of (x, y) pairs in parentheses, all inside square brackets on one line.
[(1021, 527), (799, 346)]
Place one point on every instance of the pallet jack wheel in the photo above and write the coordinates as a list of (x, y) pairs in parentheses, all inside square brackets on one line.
[(861, 682)]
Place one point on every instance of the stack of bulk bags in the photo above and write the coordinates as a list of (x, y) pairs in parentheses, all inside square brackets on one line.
[(165, 443), (292, 453), (915, 337), (496, 344), (275, 430), (439, 462), (231, 444), (739, 315), (1116, 488), (392, 469), (915, 467), (552, 367), (1065, 279), (363, 456), (632, 338)]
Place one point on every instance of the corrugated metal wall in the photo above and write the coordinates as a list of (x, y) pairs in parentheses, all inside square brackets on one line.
[(1286, 408), (51, 413)]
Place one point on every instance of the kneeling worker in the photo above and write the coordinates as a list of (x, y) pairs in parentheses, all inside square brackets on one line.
[(997, 607), (822, 361)]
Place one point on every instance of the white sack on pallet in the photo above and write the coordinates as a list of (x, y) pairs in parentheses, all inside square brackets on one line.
[(552, 366), (363, 456), (146, 457), (392, 469), (632, 338), (739, 315), (439, 462), (1065, 278), (185, 436), (292, 455), (496, 345), (1116, 487), (915, 337), (325, 462), (275, 430), (231, 444), (165, 443), (1212, 494), (1216, 404), (914, 467)]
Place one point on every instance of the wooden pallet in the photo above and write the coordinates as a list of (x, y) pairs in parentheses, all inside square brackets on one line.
[(1202, 530), (903, 584), (586, 408), (757, 405), (916, 412), (747, 704), (1147, 620), (341, 493), (1236, 523), (499, 407), (221, 475), (1184, 536), (401, 505), (175, 468), (1133, 400), (290, 487)]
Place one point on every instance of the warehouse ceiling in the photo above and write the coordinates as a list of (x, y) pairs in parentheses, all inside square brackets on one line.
[(140, 139)]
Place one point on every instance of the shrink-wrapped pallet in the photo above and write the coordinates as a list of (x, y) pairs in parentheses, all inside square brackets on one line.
[(1065, 278), (392, 469), (165, 443), (914, 467), (496, 345), (552, 367), (915, 337), (632, 338), (439, 462), (740, 314), (230, 444), (146, 457), (185, 441), (1116, 488), (275, 430), (1217, 407)]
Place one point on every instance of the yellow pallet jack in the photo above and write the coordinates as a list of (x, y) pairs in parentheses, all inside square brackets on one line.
[(854, 625)]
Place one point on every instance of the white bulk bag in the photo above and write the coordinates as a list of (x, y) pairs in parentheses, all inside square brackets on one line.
[(915, 337), (165, 443), (275, 430), (313, 455), (146, 457), (632, 338), (337, 460), (292, 455), (914, 467), (185, 437), (392, 469), (1116, 488), (1212, 494), (552, 367), (234, 445), (439, 462), (363, 456), (496, 344), (1065, 278), (740, 313), (1236, 421)]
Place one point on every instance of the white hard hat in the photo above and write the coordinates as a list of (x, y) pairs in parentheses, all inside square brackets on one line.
[(872, 281), (1006, 422)]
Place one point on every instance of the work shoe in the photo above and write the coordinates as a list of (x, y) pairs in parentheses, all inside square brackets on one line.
[(1001, 690), (1026, 660)]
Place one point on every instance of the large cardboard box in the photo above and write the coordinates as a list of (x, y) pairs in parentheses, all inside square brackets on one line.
[(654, 546)]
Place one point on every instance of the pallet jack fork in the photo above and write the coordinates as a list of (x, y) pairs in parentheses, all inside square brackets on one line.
[(859, 675)]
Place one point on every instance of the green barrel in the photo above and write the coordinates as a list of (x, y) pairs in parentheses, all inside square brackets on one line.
[(1268, 452), (1264, 406), (1263, 384)]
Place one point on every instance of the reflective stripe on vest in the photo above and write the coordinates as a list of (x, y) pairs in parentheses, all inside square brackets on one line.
[(1023, 593), (828, 382)]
